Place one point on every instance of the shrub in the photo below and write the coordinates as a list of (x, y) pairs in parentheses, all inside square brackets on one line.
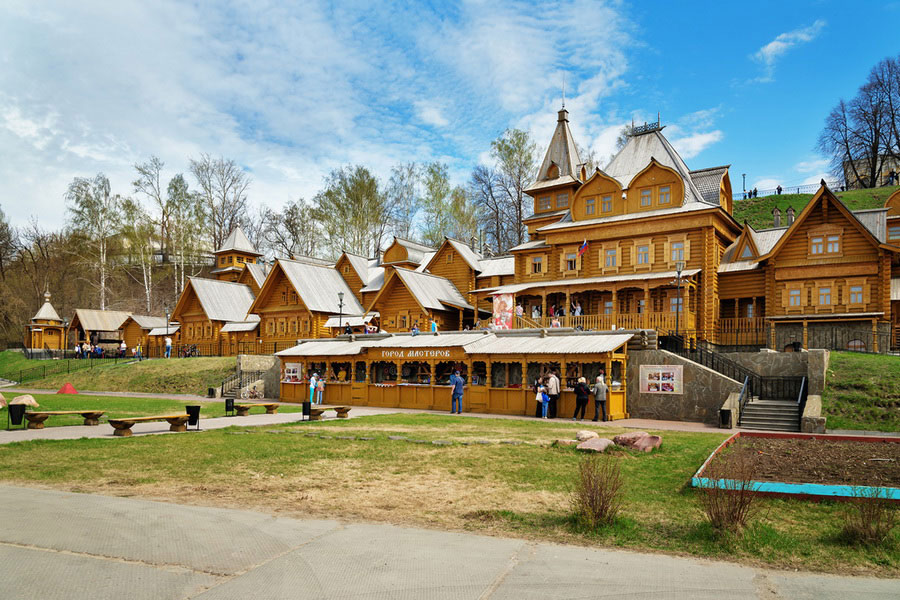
[(870, 518), (597, 497), (729, 501)]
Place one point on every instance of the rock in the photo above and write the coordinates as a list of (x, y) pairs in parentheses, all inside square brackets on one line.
[(648, 443), (345, 437), (566, 443), (585, 435), (629, 439), (597, 444), (512, 442), (442, 443), (365, 439), (397, 438), (485, 442)]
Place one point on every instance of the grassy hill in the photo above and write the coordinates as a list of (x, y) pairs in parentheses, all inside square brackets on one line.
[(862, 391), (11, 363), (758, 211), (174, 376)]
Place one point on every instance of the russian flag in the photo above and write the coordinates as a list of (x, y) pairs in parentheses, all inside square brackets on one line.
[(583, 248)]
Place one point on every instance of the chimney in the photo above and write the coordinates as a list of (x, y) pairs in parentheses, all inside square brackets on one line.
[(776, 216), (790, 215), (473, 242)]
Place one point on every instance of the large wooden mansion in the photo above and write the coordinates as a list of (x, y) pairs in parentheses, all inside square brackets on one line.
[(645, 242)]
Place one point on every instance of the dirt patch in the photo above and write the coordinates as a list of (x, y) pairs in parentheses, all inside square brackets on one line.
[(834, 462)]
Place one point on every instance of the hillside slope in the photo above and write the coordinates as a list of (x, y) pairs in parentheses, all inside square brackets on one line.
[(758, 211), (862, 391)]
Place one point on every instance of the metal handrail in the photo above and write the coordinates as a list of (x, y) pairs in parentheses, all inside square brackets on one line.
[(742, 400)]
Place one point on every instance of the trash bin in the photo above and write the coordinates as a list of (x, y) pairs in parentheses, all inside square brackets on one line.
[(210, 392), (193, 415), (306, 409), (16, 414), (229, 405), (725, 418)]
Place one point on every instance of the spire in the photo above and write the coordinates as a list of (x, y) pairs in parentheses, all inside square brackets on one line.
[(561, 153)]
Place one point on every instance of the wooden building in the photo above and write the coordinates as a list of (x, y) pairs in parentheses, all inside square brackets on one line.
[(102, 327), (416, 299), (45, 331), (136, 329), (408, 371), (236, 251), (205, 310)]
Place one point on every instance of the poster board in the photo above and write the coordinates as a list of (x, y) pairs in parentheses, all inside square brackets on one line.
[(293, 373), (504, 307), (662, 379)]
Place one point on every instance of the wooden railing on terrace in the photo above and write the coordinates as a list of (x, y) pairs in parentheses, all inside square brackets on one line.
[(648, 320)]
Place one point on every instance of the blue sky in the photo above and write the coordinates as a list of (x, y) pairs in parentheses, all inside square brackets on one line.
[(293, 90)]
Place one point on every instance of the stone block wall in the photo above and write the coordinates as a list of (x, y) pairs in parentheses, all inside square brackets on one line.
[(267, 363), (771, 364), (705, 390)]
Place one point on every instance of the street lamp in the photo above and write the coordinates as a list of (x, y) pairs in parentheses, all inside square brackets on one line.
[(744, 185), (340, 310), (679, 267)]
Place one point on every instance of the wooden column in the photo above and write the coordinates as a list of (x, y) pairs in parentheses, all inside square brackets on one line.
[(806, 334), (772, 335), (615, 306), (875, 335), (686, 307), (645, 316), (568, 308), (487, 366), (399, 377), (543, 307), (737, 308), (368, 371)]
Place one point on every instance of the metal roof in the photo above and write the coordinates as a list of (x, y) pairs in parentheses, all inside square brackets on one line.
[(173, 327), (240, 326), (515, 288), (765, 239), (431, 291), (415, 252), (237, 241), (360, 264), (471, 257), (453, 339), (100, 320), (565, 224), (551, 344), (353, 320), (376, 280), (46, 313), (333, 347), (258, 271), (532, 245), (318, 287), (148, 322), (555, 213), (743, 265), (501, 265), (708, 182), (875, 220), (223, 300), (426, 258), (313, 260), (561, 152)]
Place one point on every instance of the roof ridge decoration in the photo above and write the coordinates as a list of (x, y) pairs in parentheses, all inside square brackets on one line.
[(238, 241), (561, 152)]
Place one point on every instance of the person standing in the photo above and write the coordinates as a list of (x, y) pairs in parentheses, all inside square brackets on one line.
[(415, 329), (456, 394), (313, 384), (542, 398), (347, 329), (122, 348), (581, 398), (77, 351), (168, 346), (434, 326), (599, 390), (553, 393), (320, 390)]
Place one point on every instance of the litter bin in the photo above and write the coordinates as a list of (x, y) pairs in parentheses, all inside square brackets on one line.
[(210, 392), (306, 409), (229, 406), (193, 415), (16, 414), (725, 418)]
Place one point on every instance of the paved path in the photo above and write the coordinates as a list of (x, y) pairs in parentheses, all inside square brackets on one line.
[(80, 546)]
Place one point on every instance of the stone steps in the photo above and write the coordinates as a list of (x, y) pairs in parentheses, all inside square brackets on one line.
[(771, 415)]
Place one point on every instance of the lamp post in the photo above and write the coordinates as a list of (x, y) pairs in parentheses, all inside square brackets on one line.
[(679, 267), (744, 184), (340, 311)]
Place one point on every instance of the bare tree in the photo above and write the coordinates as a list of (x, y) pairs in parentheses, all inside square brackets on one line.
[(139, 231), (9, 245), (148, 184), (293, 230), (485, 193), (515, 155), (187, 216), (223, 186), (95, 214)]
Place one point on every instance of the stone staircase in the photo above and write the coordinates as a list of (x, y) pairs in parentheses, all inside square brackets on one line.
[(772, 415)]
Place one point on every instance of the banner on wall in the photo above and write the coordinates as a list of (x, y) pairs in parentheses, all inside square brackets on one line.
[(293, 373), (662, 379), (504, 309)]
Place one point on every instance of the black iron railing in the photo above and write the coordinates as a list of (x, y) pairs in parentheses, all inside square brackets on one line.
[(744, 398), (56, 367), (233, 384)]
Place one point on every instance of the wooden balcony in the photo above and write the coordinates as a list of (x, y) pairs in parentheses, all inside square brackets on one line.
[(647, 320)]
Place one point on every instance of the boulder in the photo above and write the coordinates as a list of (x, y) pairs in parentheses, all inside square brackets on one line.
[(648, 443), (27, 400), (596, 444), (629, 439), (2, 401), (585, 435), (566, 443)]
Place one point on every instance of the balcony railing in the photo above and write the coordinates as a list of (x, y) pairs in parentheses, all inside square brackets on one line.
[(647, 320)]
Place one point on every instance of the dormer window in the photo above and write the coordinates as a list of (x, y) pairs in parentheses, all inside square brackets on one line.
[(646, 197), (544, 203), (825, 243), (833, 244), (665, 194), (562, 200), (894, 232), (747, 252), (606, 204), (590, 206)]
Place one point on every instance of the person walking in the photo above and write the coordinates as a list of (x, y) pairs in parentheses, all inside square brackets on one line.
[(140, 351), (456, 394), (320, 390), (168, 347), (313, 384), (122, 348), (77, 351), (599, 390), (553, 393), (581, 398)]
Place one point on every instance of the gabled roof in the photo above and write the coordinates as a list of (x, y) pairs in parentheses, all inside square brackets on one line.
[(317, 286), (376, 280), (415, 252), (237, 241), (709, 181), (222, 300), (430, 291), (532, 245), (172, 329), (313, 260), (875, 220), (472, 258), (637, 155), (561, 152), (258, 271), (499, 265), (46, 313), (360, 264), (148, 322), (100, 320)]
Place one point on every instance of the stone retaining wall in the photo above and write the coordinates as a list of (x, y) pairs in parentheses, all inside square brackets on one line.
[(267, 363)]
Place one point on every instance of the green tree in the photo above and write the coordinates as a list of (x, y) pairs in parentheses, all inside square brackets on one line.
[(139, 231), (435, 203), (463, 215), (405, 198), (187, 216), (352, 211)]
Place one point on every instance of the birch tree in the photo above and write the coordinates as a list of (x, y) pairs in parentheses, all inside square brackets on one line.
[(353, 211), (139, 231), (223, 187), (187, 218), (149, 185), (404, 198), (94, 212), (435, 204)]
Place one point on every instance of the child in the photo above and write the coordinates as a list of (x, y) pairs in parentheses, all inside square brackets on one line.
[(542, 397), (320, 389)]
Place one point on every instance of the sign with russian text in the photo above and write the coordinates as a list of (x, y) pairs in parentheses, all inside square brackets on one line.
[(415, 353), (503, 311), (662, 379)]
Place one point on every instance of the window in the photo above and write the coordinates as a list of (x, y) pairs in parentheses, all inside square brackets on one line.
[(665, 194), (749, 311), (571, 261), (856, 294), (825, 296), (449, 257), (834, 244), (607, 307), (643, 255), (544, 203), (240, 259), (562, 200), (794, 297), (346, 269), (610, 258), (589, 206), (294, 297), (894, 232), (230, 260), (646, 197), (676, 304), (817, 245), (606, 204), (221, 260), (677, 251), (641, 306), (284, 297), (282, 326), (747, 252), (537, 264), (856, 346)]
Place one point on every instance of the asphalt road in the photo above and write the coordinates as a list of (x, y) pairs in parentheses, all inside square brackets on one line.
[(80, 546)]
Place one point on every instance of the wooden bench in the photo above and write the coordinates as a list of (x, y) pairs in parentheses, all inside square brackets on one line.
[(316, 412), (123, 426), (244, 409), (36, 418)]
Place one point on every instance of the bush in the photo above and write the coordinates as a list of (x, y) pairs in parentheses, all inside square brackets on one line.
[(870, 518), (729, 502), (597, 497)]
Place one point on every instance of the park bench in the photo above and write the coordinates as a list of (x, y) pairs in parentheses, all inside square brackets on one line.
[(316, 412), (36, 418), (244, 409), (123, 426)]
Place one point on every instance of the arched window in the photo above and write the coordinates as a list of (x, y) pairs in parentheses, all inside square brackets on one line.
[(856, 346)]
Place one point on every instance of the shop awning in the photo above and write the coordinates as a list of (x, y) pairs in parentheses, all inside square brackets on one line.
[(353, 320), (515, 288), (552, 344)]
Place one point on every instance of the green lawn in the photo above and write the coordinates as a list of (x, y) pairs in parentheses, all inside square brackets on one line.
[(172, 376), (12, 363), (519, 489), (862, 391), (758, 211), (121, 407)]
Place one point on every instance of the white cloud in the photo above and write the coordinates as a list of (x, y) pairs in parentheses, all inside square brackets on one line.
[(807, 166), (766, 183), (692, 145), (818, 177), (769, 54), (430, 113)]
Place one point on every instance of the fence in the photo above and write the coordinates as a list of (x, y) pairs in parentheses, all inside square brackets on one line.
[(56, 367), (808, 188)]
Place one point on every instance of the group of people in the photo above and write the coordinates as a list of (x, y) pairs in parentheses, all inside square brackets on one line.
[(316, 389), (554, 310), (89, 350), (547, 390)]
